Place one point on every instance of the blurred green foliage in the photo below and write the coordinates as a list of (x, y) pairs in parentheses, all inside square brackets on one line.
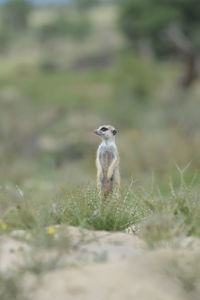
[(58, 84), (150, 19), (65, 25), (85, 4), (4, 40), (15, 14)]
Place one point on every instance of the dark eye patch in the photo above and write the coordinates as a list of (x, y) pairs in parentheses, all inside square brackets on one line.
[(104, 129)]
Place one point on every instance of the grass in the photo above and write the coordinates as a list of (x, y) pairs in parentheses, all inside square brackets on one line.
[(85, 208), (158, 217)]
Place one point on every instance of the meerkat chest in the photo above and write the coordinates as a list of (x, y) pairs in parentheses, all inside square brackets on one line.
[(106, 156)]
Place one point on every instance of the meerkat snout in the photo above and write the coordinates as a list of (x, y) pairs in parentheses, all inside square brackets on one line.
[(107, 161)]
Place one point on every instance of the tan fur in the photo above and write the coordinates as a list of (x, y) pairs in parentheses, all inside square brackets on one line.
[(107, 162)]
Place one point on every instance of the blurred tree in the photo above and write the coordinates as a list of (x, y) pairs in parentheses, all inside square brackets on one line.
[(16, 13), (85, 4), (4, 40), (65, 25), (170, 26)]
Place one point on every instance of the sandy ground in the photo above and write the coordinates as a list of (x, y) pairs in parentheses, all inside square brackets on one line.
[(105, 266)]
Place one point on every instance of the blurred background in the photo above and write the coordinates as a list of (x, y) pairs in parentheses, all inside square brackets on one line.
[(67, 67)]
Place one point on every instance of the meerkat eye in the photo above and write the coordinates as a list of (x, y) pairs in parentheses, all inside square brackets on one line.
[(104, 129)]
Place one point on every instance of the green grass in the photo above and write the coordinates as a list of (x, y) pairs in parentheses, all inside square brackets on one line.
[(85, 208), (158, 217)]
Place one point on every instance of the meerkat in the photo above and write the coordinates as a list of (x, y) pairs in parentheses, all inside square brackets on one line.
[(107, 162)]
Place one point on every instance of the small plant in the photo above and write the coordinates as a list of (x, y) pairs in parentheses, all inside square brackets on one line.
[(173, 215), (87, 209)]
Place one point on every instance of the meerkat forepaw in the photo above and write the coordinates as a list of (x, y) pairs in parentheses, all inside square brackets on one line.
[(109, 175)]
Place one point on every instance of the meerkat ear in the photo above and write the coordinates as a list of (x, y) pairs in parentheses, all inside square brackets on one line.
[(114, 132)]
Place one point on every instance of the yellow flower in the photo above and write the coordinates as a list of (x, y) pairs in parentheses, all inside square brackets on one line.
[(3, 225), (51, 229)]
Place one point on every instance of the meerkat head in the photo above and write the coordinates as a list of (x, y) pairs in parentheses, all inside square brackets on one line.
[(106, 131)]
